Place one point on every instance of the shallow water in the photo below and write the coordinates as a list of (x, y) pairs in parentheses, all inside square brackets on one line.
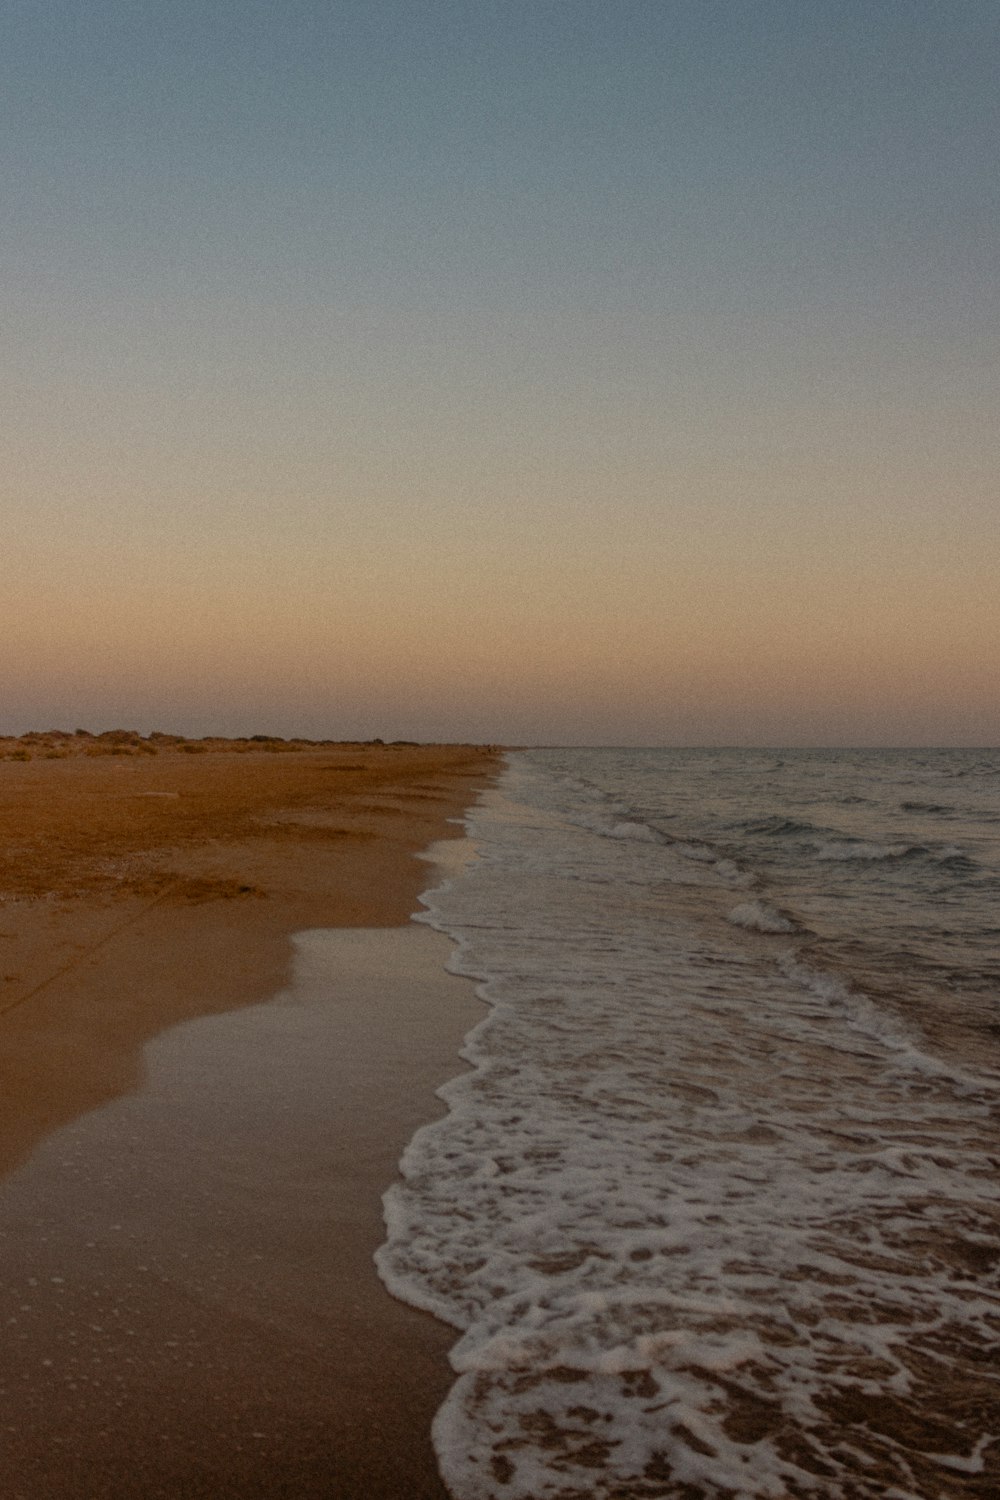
[(716, 1210)]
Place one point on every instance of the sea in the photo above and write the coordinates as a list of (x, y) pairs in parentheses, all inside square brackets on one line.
[(715, 1208)]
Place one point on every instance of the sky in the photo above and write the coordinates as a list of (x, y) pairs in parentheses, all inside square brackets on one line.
[(560, 371)]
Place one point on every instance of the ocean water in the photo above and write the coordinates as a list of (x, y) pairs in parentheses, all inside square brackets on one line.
[(715, 1212)]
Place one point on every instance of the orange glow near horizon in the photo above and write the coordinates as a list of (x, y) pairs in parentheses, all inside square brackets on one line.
[(654, 636), (583, 395)]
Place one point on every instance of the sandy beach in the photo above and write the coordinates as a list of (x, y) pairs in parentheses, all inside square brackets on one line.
[(188, 1212)]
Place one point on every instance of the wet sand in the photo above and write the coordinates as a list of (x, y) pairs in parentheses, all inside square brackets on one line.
[(187, 1230)]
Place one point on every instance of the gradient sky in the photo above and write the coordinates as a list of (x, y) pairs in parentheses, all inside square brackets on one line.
[(609, 371)]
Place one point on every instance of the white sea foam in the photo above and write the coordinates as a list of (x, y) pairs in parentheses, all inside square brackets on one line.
[(690, 1213), (630, 830), (856, 1009), (841, 849), (697, 852), (761, 916)]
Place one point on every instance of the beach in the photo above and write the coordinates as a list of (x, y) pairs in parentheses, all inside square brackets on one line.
[(201, 1110)]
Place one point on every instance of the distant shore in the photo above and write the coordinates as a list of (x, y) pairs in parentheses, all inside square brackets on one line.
[(148, 881)]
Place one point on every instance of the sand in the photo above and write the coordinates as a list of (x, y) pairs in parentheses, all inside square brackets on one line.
[(188, 1225)]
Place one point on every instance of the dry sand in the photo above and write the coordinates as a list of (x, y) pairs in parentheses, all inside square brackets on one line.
[(187, 1230)]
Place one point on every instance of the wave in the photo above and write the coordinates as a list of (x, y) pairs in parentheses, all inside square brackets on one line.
[(628, 829), (954, 859), (700, 853), (761, 916), (945, 857), (843, 849), (679, 1209), (860, 1012), (777, 827)]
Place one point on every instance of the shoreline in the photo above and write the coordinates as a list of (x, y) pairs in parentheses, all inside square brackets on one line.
[(215, 1187), (139, 892)]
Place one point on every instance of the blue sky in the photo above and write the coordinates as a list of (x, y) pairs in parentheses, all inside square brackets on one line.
[(548, 371)]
